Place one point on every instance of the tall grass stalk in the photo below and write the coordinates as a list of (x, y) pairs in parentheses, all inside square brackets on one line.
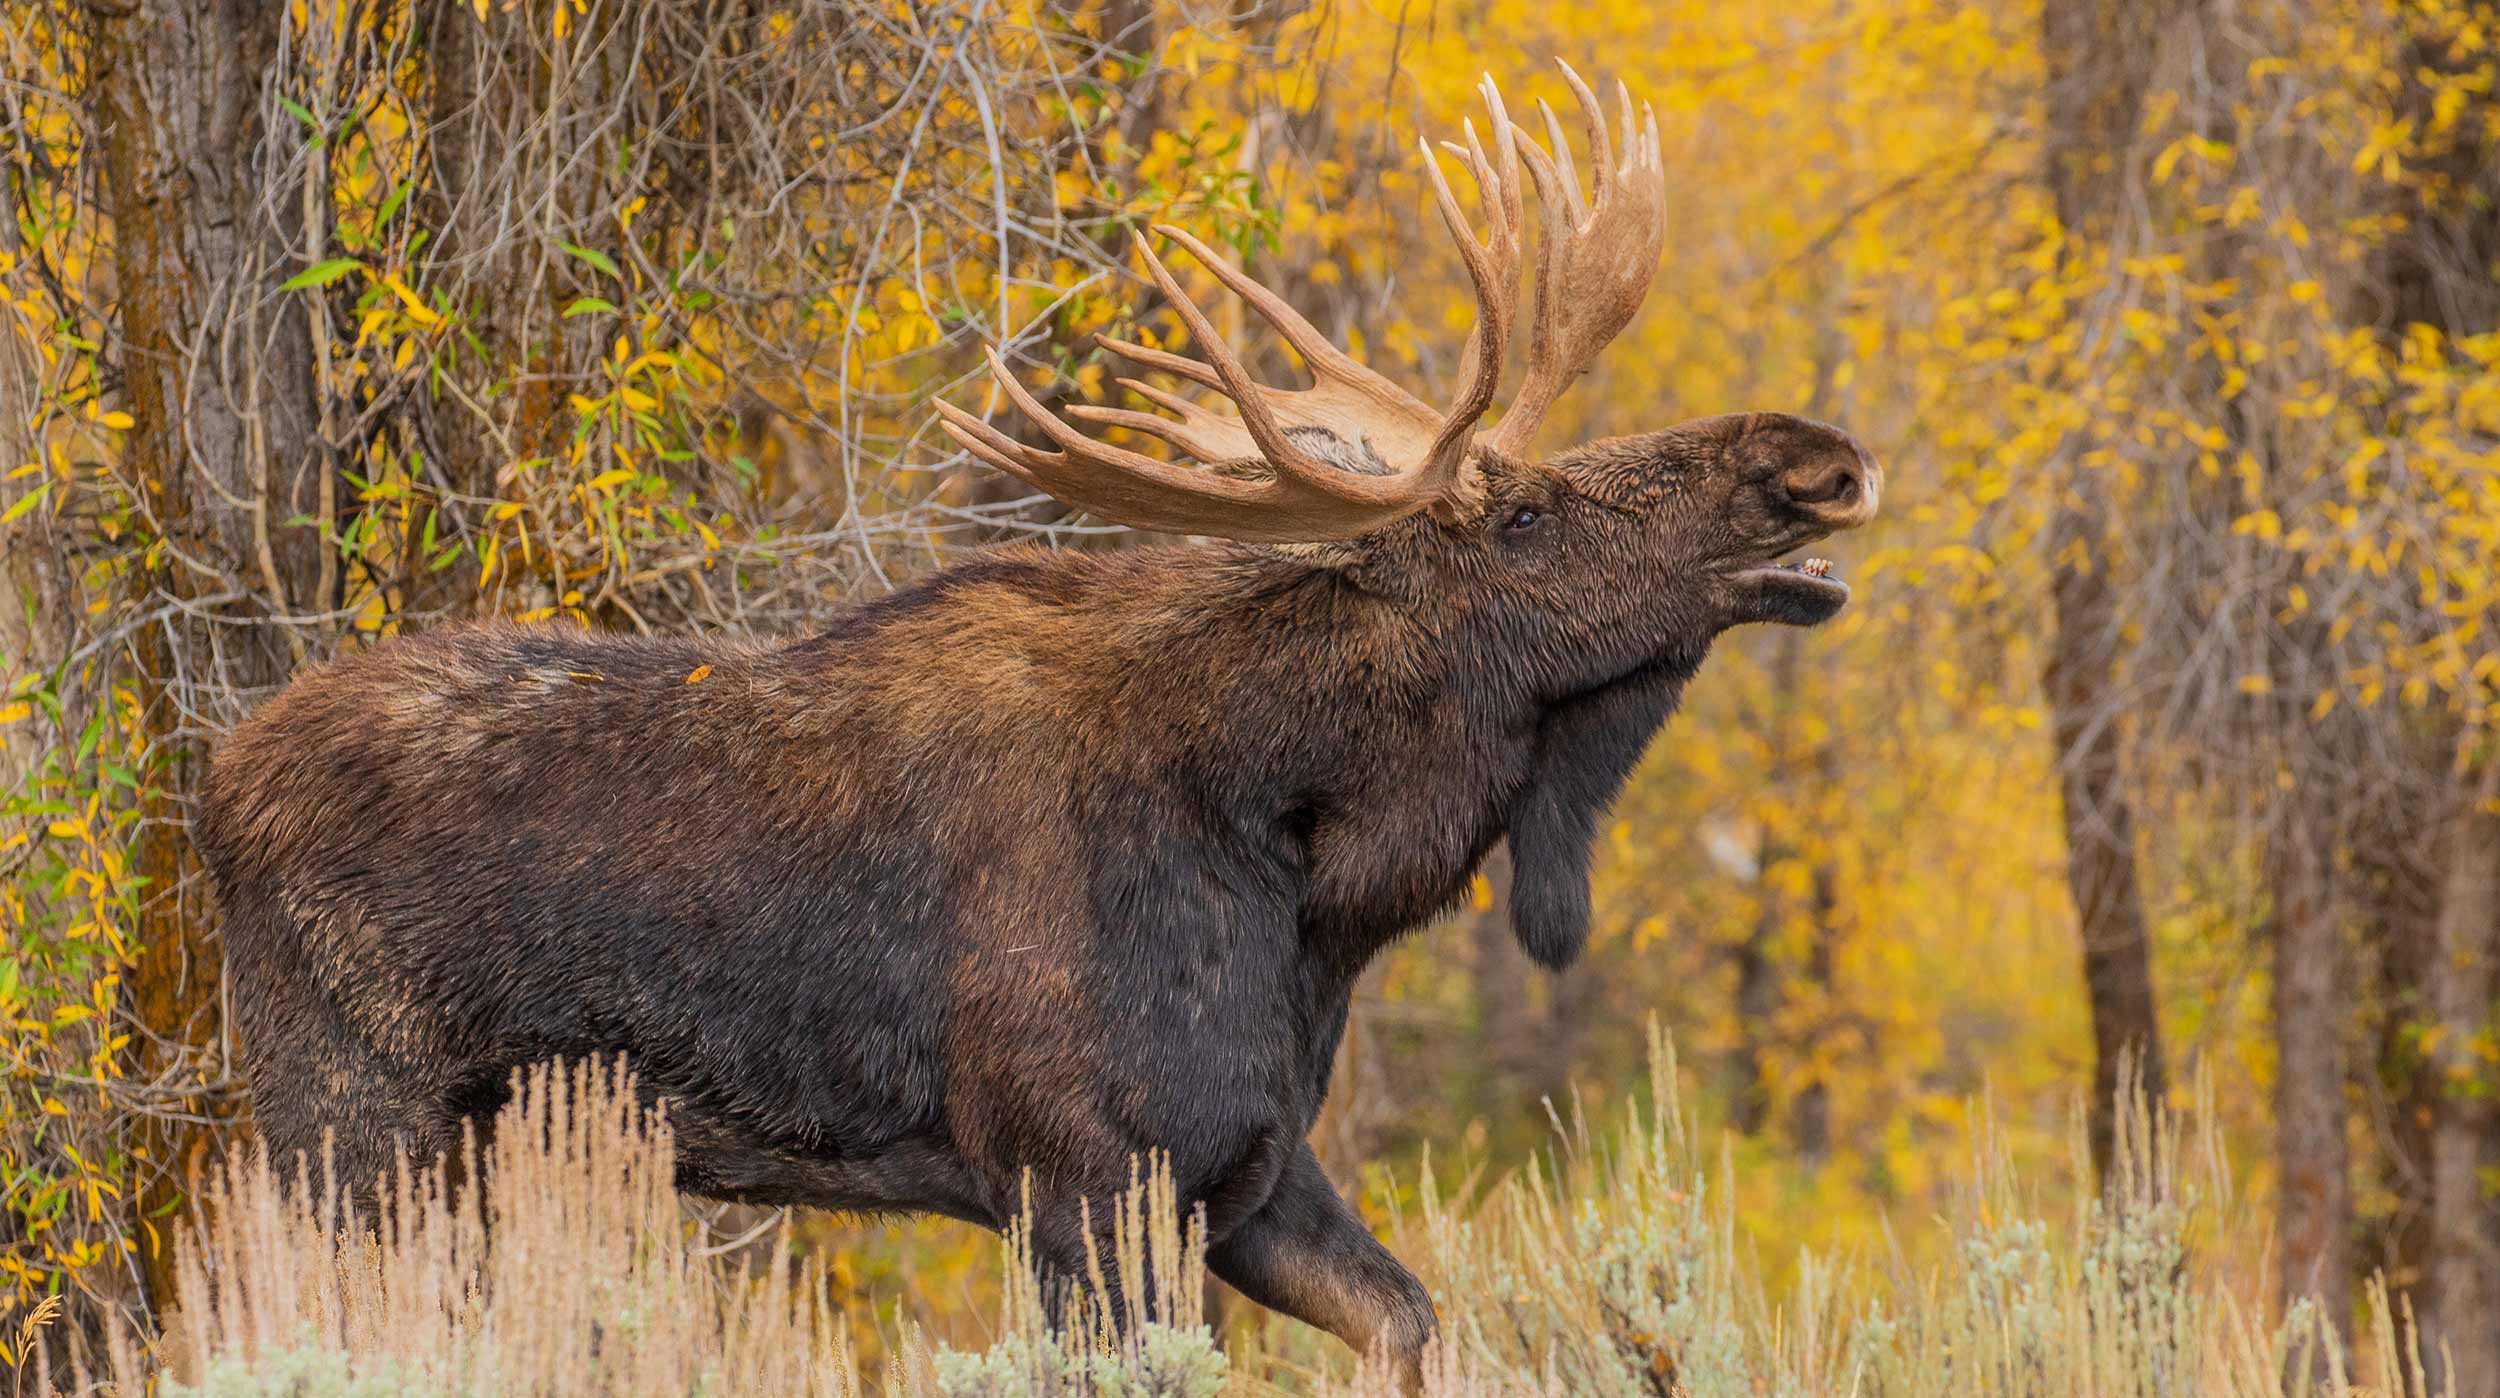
[(558, 1262)]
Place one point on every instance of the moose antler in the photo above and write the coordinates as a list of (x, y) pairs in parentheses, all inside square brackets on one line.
[(1345, 456), (1595, 258), (1354, 451)]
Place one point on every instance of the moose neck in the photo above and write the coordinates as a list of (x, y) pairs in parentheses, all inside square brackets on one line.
[(1400, 732)]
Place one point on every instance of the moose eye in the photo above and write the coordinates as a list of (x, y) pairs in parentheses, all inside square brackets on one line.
[(1524, 519)]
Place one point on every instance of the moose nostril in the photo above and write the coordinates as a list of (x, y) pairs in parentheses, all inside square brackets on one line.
[(1822, 483)]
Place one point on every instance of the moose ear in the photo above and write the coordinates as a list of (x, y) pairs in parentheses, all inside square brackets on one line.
[(1586, 748)]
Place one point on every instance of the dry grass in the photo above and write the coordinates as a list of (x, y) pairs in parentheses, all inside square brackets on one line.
[(1617, 1269), (1611, 1269)]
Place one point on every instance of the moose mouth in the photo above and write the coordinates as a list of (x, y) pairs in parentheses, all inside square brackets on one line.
[(1803, 593)]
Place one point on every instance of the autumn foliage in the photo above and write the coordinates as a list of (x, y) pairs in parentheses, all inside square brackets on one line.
[(2158, 740)]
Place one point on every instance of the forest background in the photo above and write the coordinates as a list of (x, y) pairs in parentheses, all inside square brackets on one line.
[(2157, 744)]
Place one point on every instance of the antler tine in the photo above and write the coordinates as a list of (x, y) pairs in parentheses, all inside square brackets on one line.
[(984, 441), (1179, 365), (1492, 265), (1505, 216), (1159, 398), (1593, 116), (1481, 363), (1630, 137), (1324, 359), (1596, 257), (1569, 200)]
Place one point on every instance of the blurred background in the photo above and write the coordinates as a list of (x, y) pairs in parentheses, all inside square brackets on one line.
[(2156, 748)]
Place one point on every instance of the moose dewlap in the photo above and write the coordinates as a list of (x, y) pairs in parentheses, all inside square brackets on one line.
[(1047, 861)]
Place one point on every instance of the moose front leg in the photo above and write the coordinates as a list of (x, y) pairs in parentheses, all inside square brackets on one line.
[(1306, 1254)]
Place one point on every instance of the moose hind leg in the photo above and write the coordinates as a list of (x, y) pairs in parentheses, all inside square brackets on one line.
[(1306, 1254)]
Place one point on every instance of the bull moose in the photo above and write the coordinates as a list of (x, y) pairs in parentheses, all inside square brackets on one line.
[(1048, 860)]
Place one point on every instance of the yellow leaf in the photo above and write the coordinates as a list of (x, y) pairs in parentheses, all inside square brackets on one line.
[(418, 311), (611, 478), (699, 674), (2168, 160)]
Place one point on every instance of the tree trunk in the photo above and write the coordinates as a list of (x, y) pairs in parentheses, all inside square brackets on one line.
[(464, 114), (2314, 1219), (203, 183), (1757, 1000), (2098, 814), (2439, 268), (2099, 55), (2436, 270), (2462, 1322), (1810, 1120), (2390, 864)]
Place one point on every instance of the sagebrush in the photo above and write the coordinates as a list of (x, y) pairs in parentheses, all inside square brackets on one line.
[(555, 1259)]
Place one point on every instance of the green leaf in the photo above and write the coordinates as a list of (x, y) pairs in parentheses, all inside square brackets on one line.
[(26, 502), (599, 260), (589, 305), (321, 274), (301, 113)]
